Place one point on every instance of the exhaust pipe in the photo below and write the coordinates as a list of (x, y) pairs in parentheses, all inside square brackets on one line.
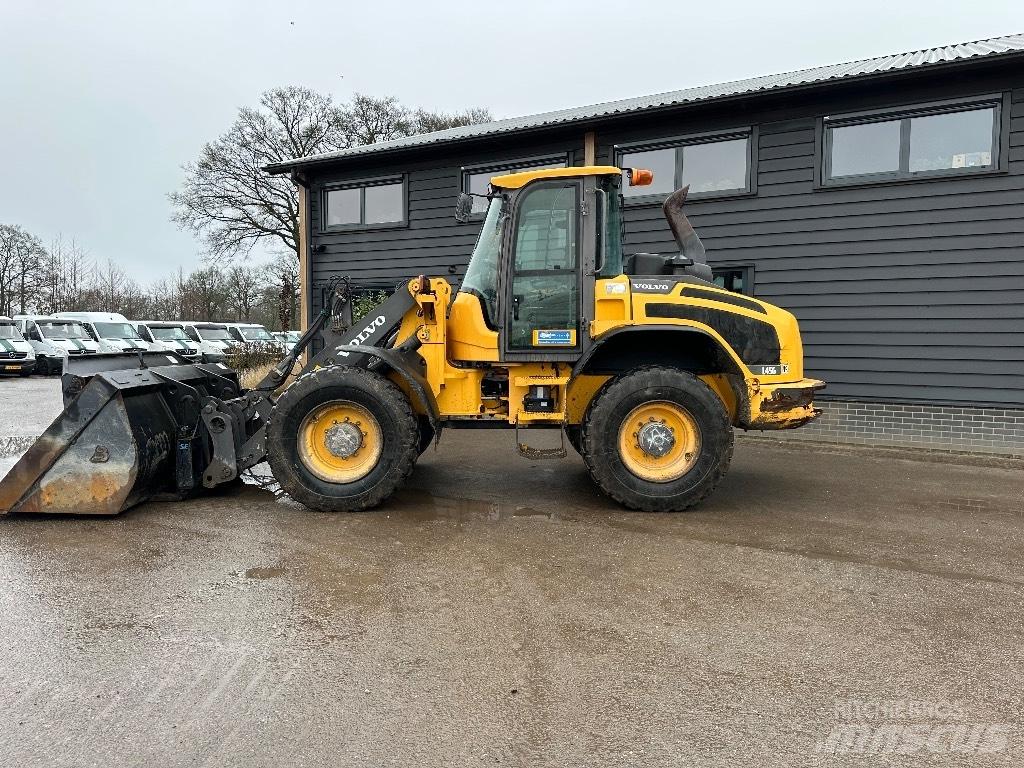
[(691, 249)]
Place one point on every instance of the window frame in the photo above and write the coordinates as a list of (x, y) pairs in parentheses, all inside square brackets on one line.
[(748, 132), (748, 271), (826, 123), (361, 185), (508, 166)]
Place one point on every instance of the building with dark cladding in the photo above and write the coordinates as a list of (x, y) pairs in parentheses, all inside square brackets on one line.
[(881, 201)]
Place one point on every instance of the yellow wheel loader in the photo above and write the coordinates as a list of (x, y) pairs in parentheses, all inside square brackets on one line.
[(641, 362)]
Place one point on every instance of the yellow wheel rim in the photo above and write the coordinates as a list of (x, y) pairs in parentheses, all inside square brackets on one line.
[(659, 441), (340, 442)]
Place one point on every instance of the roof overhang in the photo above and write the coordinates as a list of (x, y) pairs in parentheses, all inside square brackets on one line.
[(945, 59)]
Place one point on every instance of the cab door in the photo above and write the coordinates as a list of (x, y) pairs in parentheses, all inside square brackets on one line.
[(544, 273)]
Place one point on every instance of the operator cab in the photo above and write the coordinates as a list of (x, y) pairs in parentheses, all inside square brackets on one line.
[(546, 238)]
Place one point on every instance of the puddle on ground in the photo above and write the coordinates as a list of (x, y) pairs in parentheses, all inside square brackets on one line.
[(426, 506), (264, 572), (419, 503)]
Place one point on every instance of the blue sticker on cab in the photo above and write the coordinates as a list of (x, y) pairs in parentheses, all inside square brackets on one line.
[(559, 338)]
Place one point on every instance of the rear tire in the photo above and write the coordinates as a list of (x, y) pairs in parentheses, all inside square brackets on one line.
[(297, 448), (701, 440)]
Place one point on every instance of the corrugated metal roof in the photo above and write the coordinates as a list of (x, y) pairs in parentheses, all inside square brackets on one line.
[(996, 46)]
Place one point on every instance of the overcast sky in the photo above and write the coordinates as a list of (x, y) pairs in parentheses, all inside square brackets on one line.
[(104, 101)]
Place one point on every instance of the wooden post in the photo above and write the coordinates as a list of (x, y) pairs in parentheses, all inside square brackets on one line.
[(305, 296), (589, 148)]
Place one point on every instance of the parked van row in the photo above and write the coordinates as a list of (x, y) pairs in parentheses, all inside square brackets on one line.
[(41, 343)]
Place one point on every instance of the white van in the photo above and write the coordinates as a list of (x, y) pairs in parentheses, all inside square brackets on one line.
[(288, 338), (213, 340), (169, 333), (16, 354), (253, 334), (114, 330), (55, 338)]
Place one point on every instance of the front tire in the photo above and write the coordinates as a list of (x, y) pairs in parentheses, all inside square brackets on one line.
[(342, 439), (657, 440)]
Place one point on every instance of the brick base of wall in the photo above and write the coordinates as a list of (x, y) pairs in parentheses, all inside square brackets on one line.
[(963, 430)]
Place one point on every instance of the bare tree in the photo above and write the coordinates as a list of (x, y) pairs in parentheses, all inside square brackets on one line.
[(205, 295), (369, 120), (133, 301), (282, 293), (21, 255), (109, 284), (244, 283), (228, 200), (232, 204), (66, 272), (427, 122), (162, 301)]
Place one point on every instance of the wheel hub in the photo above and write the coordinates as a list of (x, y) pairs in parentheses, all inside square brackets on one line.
[(340, 442), (656, 439), (659, 441), (343, 440)]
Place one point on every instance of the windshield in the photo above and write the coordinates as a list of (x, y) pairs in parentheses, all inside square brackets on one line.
[(62, 330), (213, 334), (117, 331), (481, 278), (173, 333), (9, 331), (258, 333)]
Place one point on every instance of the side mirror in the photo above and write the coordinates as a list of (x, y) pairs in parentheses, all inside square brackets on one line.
[(463, 207)]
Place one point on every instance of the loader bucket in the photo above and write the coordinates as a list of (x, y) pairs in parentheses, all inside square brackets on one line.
[(123, 438)]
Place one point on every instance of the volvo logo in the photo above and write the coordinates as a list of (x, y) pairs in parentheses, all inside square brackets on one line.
[(364, 334), (653, 287)]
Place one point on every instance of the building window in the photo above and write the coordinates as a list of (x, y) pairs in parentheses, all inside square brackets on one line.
[(924, 141), (475, 179), (366, 204), (712, 166), (736, 279)]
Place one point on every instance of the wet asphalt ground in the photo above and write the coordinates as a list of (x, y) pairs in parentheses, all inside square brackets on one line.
[(501, 612)]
